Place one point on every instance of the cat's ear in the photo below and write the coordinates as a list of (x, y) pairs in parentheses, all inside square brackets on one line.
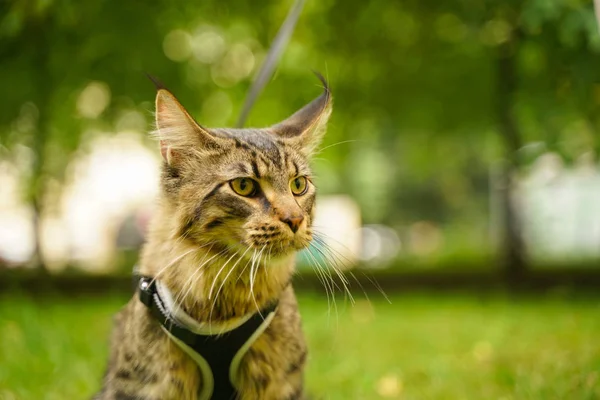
[(307, 126), (177, 131)]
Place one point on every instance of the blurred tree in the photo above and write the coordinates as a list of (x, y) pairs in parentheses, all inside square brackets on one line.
[(427, 95), (50, 50), (515, 28)]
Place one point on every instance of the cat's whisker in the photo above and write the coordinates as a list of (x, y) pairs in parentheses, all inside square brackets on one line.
[(191, 282), (253, 260), (225, 280), (338, 254), (180, 238), (320, 159), (215, 279), (377, 286), (245, 267), (252, 266), (321, 278), (252, 280), (170, 264), (260, 260), (329, 289), (335, 260), (322, 236), (319, 233), (340, 257), (319, 274), (256, 267), (360, 285), (334, 283), (327, 282), (338, 272), (176, 259), (333, 145), (269, 257)]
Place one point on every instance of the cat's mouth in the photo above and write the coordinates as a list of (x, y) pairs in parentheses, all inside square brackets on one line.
[(275, 242), (276, 245), (269, 243), (275, 248)]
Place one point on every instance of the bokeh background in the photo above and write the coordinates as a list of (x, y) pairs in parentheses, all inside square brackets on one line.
[(459, 183)]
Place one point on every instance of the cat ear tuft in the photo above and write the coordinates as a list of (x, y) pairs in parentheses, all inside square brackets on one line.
[(307, 126), (176, 129), (157, 83)]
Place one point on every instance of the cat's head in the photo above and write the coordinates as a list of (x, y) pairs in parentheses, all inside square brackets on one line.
[(240, 190)]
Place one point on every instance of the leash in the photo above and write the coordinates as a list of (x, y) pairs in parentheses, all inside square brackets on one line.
[(266, 70)]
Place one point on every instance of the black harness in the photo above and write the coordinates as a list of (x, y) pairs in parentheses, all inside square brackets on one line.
[(217, 352)]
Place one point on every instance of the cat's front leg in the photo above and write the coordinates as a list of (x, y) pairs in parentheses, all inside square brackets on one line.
[(261, 381), (145, 364), (167, 376), (273, 368)]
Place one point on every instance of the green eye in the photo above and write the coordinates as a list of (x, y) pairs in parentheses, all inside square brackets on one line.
[(299, 185), (244, 186)]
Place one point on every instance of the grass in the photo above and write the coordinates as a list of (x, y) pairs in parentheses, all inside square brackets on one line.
[(422, 346)]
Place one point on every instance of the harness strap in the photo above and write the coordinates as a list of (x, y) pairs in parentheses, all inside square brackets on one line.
[(218, 356)]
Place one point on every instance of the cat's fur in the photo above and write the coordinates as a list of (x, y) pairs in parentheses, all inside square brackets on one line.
[(202, 243)]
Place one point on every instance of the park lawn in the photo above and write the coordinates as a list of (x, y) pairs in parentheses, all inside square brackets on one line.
[(421, 346)]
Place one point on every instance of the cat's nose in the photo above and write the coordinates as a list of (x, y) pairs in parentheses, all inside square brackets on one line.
[(293, 222)]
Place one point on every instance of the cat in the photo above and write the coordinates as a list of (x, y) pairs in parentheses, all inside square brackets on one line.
[(234, 208)]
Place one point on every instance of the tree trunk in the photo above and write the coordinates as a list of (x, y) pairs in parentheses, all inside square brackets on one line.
[(37, 184), (513, 259)]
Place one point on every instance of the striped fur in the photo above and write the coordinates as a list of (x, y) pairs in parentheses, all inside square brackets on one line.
[(222, 255)]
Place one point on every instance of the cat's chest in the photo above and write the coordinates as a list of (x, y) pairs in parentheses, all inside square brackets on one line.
[(261, 373), (265, 362), (219, 358)]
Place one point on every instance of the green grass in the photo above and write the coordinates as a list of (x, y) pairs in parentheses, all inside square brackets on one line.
[(422, 346)]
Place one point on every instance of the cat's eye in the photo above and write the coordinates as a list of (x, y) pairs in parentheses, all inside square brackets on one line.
[(299, 185), (244, 186)]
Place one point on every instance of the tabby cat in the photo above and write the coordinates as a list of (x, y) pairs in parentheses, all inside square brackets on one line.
[(235, 207)]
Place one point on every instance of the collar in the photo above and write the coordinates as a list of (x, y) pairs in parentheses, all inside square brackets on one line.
[(217, 349)]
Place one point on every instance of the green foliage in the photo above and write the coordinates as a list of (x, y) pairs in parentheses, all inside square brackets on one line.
[(415, 125), (422, 346)]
